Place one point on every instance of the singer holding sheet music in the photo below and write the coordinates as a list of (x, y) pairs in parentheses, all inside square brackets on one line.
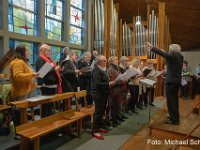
[(22, 75), (22, 78), (70, 73), (174, 62), (51, 82), (85, 75), (100, 91), (148, 96), (134, 85)]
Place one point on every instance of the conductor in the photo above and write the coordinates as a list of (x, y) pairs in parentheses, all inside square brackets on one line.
[(174, 62)]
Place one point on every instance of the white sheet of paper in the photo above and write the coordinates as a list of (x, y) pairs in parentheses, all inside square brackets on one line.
[(92, 65), (183, 82), (45, 69), (38, 98), (148, 81), (86, 69), (158, 73), (120, 77), (127, 75)]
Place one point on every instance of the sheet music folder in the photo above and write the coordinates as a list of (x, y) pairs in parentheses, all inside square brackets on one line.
[(146, 71), (148, 82)]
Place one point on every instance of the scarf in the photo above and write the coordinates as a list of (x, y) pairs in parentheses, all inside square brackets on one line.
[(49, 60)]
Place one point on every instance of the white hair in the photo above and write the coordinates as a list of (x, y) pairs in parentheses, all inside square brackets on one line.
[(174, 48), (124, 58), (44, 47), (86, 54), (97, 59)]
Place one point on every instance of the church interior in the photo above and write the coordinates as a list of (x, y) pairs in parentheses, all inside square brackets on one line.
[(113, 30)]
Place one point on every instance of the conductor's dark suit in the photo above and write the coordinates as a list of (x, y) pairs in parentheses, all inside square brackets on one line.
[(99, 93), (174, 62)]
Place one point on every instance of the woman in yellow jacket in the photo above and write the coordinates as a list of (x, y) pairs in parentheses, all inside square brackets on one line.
[(22, 79), (22, 76)]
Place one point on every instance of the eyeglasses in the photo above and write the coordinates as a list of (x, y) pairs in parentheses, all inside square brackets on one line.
[(104, 61)]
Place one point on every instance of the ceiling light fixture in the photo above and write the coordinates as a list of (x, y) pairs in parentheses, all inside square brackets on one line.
[(138, 22)]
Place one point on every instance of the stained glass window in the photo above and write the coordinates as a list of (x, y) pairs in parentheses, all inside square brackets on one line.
[(22, 17), (80, 52), (55, 53), (54, 19), (77, 22), (1, 16), (33, 49)]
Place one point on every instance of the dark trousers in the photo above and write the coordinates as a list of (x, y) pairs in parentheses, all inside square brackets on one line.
[(115, 99), (149, 95), (184, 90), (134, 90), (100, 101), (172, 101), (47, 108)]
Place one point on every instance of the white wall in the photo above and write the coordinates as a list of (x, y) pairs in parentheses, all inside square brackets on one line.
[(193, 59)]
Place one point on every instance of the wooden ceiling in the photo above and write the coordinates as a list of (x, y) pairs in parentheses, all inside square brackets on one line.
[(184, 18)]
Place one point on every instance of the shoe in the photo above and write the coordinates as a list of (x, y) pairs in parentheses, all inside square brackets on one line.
[(60, 134), (124, 117), (103, 130), (116, 122), (139, 107), (195, 110), (114, 125), (135, 112), (17, 137), (151, 104), (168, 117), (145, 105), (120, 119), (130, 113), (98, 136), (170, 122)]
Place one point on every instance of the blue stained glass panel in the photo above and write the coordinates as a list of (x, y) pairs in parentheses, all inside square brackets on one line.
[(22, 17), (76, 17), (25, 4), (54, 9), (31, 46), (55, 52), (75, 35), (78, 3), (53, 29), (54, 19), (77, 22)]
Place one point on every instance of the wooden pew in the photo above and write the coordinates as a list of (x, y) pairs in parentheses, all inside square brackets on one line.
[(87, 110), (34, 130), (24, 104)]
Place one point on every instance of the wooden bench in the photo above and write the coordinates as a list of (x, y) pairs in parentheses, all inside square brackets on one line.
[(34, 130), (4, 107), (88, 110), (24, 104)]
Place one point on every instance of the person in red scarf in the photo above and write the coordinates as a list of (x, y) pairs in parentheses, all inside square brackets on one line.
[(51, 83)]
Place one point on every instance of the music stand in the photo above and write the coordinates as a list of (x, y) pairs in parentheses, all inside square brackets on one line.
[(151, 83)]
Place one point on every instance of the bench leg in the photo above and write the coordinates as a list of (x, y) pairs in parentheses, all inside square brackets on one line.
[(24, 143), (23, 115), (79, 128), (37, 144), (32, 114), (92, 122)]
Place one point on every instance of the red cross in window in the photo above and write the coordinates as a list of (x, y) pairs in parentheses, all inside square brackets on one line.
[(76, 17), (25, 27)]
